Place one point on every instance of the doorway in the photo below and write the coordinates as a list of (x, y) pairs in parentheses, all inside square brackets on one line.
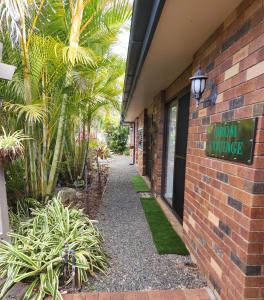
[(175, 149)]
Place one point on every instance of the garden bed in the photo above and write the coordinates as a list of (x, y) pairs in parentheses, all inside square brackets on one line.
[(90, 198)]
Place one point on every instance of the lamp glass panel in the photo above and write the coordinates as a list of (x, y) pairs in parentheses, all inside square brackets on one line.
[(197, 86), (192, 87), (202, 85)]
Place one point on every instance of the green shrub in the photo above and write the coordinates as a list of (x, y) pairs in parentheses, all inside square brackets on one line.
[(117, 137), (22, 211), (126, 152), (15, 182), (36, 254)]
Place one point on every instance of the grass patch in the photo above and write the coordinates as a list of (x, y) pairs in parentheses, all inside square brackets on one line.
[(139, 184), (165, 238)]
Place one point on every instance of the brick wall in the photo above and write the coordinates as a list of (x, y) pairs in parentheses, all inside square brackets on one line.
[(131, 142), (224, 201), (140, 153), (158, 135)]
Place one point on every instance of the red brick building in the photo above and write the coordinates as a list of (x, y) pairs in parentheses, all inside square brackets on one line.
[(220, 201)]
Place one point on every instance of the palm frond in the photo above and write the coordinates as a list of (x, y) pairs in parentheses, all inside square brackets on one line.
[(31, 112)]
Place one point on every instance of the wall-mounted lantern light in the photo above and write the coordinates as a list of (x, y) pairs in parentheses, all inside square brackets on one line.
[(198, 84)]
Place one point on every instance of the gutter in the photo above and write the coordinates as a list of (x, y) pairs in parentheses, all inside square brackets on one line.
[(145, 18)]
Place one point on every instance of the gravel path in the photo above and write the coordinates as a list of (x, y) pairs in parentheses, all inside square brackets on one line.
[(135, 263)]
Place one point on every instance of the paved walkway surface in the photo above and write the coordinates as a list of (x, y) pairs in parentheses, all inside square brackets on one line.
[(134, 261), (195, 294)]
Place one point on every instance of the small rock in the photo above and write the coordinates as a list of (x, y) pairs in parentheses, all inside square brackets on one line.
[(67, 194), (80, 195)]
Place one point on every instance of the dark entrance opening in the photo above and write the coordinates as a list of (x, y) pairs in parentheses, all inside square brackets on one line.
[(176, 148)]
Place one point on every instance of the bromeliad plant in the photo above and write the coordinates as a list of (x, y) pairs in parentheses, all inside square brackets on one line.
[(37, 252), (11, 146)]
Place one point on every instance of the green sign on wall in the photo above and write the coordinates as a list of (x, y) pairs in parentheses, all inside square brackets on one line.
[(232, 140)]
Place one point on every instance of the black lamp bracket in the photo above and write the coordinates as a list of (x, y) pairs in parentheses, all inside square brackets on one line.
[(211, 99)]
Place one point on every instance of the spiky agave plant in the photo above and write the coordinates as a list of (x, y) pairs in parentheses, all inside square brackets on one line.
[(11, 146)]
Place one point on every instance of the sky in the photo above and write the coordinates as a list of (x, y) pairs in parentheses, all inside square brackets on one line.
[(120, 47)]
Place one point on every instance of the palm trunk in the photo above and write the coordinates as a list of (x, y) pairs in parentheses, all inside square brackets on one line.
[(76, 22), (44, 174), (30, 125), (85, 149), (60, 158), (26, 165), (69, 166), (58, 147), (98, 172)]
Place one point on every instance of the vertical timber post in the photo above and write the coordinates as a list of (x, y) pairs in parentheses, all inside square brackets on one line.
[(6, 73), (4, 220)]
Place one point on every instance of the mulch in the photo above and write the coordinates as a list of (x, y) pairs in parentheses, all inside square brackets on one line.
[(90, 199)]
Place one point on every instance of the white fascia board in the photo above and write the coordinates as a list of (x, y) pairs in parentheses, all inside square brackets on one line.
[(6, 71)]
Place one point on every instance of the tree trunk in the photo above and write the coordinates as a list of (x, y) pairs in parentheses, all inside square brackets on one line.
[(30, 125), (99, 173), (44, 156), (58, 147), (85, 150), (74, 39)]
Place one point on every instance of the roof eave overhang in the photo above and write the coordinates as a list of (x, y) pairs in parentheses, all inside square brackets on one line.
[(145, 18), (173, 30)]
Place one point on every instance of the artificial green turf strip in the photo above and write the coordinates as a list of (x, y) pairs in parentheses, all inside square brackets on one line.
[(139, 184), (165, 238)]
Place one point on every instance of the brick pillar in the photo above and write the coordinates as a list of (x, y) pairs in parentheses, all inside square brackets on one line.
[(140, 151), (158, 142)]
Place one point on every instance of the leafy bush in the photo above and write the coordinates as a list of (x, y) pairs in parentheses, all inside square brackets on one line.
[(22, 212), (102, 151), (15, 182), (93, 144), (37, 252), (126, 152), (117, 137)]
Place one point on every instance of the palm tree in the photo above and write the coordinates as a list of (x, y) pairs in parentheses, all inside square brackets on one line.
[(57, 40), (17, 14), (99, 91)]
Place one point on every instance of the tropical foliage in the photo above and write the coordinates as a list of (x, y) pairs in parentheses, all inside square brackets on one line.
[(117, 137), (59, 245), (67, 81), (66, 77)]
